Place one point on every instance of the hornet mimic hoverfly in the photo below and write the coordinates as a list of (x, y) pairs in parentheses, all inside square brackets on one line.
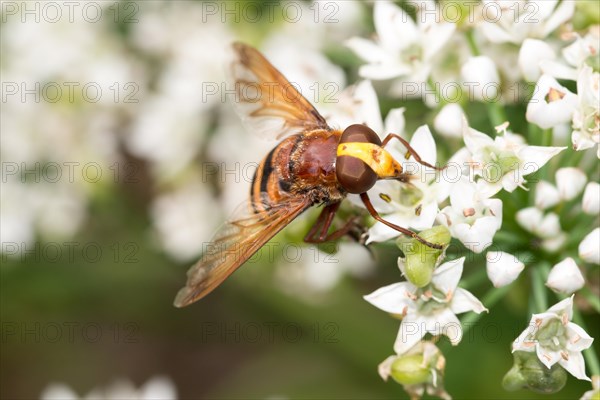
[(313, 165)]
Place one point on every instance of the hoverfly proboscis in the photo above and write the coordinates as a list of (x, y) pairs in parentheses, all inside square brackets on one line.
[(313, 165)]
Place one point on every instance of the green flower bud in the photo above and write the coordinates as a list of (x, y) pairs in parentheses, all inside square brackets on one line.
[(409, 370), (529, 373), (420, 260)]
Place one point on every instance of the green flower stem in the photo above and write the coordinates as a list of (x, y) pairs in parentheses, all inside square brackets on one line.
[(494, 109), (438, 97), (489, 300), (590, 356), (591, 298), (539, 291), (472, 42)]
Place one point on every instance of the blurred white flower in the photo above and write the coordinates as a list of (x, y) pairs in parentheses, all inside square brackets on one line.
[(584, 50), (591, 198), (307, 271), (546, 195), (403, 47), (157, 388), (514, 21), (531, 54), (533, 220), (185, 220), (432, 309), (551, 104), (480, 76), (586, 117), (502, 268), (589, 250), (565, 277), (415, 204), (555, 339), (472, 218), (503, 162), (448, 122), (570, 182)]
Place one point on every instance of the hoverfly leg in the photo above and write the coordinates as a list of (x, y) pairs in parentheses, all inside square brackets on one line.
[(319, 232), (367, 202), (411, 151)]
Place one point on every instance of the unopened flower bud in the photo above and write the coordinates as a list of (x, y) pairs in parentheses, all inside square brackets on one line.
[(565, 277), (528, 372), (420, 260)]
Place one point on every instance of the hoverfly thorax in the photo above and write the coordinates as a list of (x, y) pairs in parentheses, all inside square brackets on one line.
[(361, 160)]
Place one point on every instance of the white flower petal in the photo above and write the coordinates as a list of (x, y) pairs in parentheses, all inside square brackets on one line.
[(395, 28), (392, 298), (424, 144), (546, 111), (575, 365), (578, 338), (448, 122), (446, 276), (464, 301), (591, 198), (532, 52), (570, 182), (546, 195), (58, 391), (385, 367), (368, 111), (565, 277), (589, 248), (562, 307), (412, 329), (549, 227), (529, 218), (502, 268), (547, 356), (394, 122), (561, 14), (446, 323), (383, 71), (367, 50), (475, 140), (535, 157), (481, 76)]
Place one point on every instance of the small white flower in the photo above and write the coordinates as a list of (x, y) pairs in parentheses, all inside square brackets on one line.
[(565, 277), (584, 50), (472, 218), (586, 117), (589, 250), (402, 47), (157, 388), (504, 161), (502, 268), (570, 182), (591, 198), (555, 339), (551, 104), (512, 22), (431, 309), (448, 122), (480, 76), (534, 51), (546, 195), (533, 220)]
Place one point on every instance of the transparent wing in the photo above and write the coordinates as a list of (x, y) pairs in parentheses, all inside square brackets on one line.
[(267, 102), (235, 242)]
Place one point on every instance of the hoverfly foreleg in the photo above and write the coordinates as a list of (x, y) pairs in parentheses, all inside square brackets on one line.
[(367, 202), (319, 232), (410, 150)]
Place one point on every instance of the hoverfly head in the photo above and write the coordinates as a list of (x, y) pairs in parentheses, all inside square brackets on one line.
[(361, 160)]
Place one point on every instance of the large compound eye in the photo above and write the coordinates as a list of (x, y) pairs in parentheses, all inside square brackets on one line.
[(352, 173), (359, 133)]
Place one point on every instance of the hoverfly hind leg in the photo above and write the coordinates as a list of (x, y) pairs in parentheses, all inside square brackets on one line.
[(410, 150)]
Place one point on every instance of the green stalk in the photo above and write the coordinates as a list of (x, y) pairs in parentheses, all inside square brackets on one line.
[(438, 97), (591, 298), (590, 356), (539, 291), (494, 110)]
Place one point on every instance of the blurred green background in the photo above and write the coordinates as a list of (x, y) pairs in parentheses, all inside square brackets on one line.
[(103, 311)]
